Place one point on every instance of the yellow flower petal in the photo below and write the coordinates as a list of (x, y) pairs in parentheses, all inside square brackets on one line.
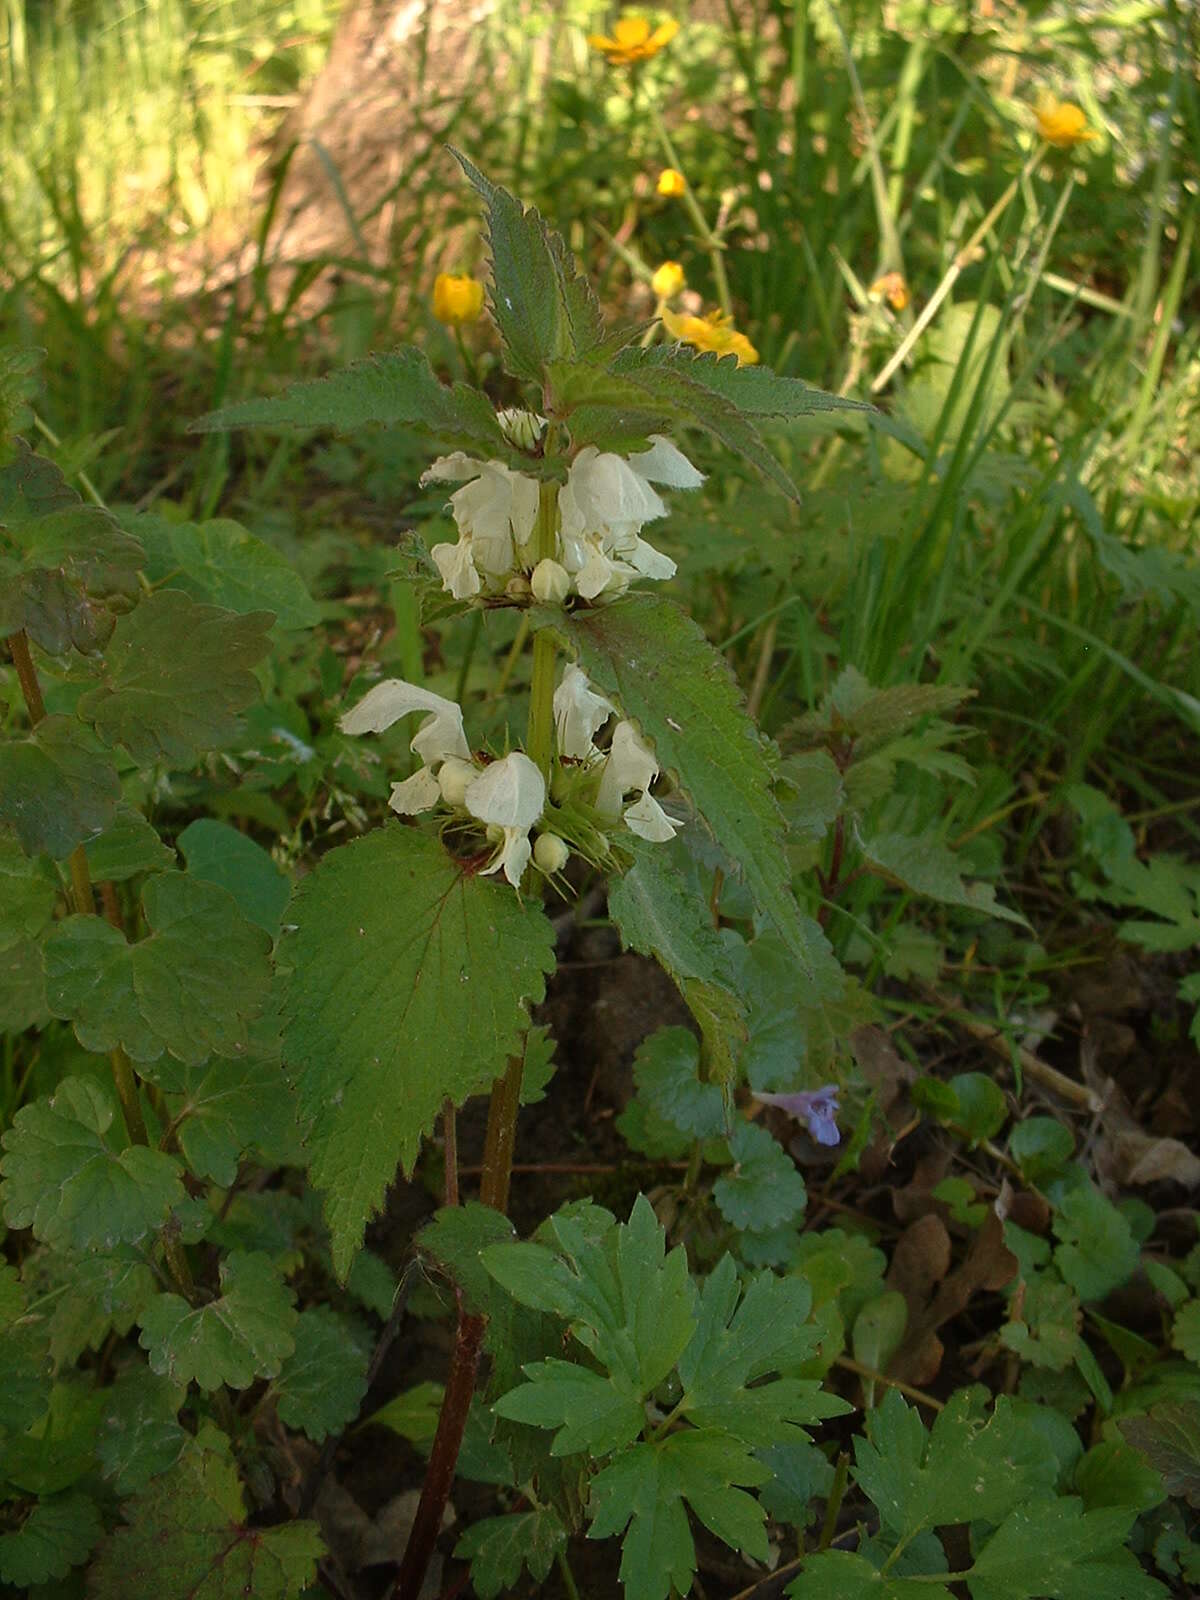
[(457, 299), (1063, 124), (632, 40), (671, 183), (668, 280), (714, 332)]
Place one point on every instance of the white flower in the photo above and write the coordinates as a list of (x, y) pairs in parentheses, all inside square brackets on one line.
[(511, 795), (495, 512), (603, 505), (522, 428), (550, 852), (631, 764), (663, 463), (579, 714), (550, 582), (439, 738)]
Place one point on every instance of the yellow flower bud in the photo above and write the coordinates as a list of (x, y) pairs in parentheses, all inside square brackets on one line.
[(671, 183), (668, 280), (457, 299), (550, 582), (1063, 124), (550, 852), (892, 288)]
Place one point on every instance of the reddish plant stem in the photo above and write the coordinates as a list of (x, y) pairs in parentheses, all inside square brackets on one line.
[(450, 1153), (829, 880)]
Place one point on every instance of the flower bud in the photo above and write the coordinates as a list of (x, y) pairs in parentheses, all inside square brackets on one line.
[(550, 582), (550, 852), (671, 183), (668, 280), (454, 778), (457, 299), (517, 587), (521, 428)]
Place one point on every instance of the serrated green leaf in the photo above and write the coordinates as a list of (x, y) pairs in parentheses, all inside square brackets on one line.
[(28, 893), (190, 988), (741, 1336), (397, 1002), (765, 1187), (24, 1357), (647, 1486), (457, 1238), (53, 791), (127, 847), (1097, 1252), (797, 1029), (226, 1108), (176, 673), (187, 1535), (140, 1433), (542, 307), (220, 854), (1168, 1437), (841, 1575), (666, 1072), (57, 1535), (71, 1176), (925, 867), (322, 1383), (1047, 1332), (22, 987), (397, 390), (97, 1295), (60, 1448), (588, 1411), (1056, 1551), (246, 1333), (754, 390), (224, 564), (59, 558), (499, 1547), (654, 661), (967, 1467)]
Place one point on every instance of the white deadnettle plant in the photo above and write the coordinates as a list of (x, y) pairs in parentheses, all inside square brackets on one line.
[(629, 763), (603, 506)]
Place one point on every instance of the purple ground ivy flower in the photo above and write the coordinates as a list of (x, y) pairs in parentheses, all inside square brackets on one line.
[(816, 1108)]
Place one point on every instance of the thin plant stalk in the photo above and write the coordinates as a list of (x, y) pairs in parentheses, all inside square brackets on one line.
[(710, 241)]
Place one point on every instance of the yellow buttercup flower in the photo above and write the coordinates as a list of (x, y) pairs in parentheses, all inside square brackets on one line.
[(1063, 124), (892, 288), (668, 280), (671, 183), (457, 299), (633, 39), (713, 332)]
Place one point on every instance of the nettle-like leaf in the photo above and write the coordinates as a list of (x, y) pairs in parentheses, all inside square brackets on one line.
[(408, 986), (647, 1488), (655, 662), (57, 1534), (176, 674), (190, 988), (60, 559), (741, 1336), (187, 1535), (54, 791), (398, 390), (541, 305), (226, 565), (220, 854), (658, 916), (854, 713), (244, 1334), (499, 1547), (927, 867), (140, 1433), (71, 1175), (322, 1383)]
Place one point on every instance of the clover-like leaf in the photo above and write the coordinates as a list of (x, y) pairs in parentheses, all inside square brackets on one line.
[(176, 673), (244, 1334), (54, 791), (189, 989), (71, 1175), (408, 984), (186, 1534), (322, 1383)]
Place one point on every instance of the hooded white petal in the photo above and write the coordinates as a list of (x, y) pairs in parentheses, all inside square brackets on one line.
[(651, 563), (419, 793), (452, 468), (630, 765), (510, 793), (513, 856), (663, 463), (648, 820), (457, 568), (579, 714), (604, 495), (440, 735)]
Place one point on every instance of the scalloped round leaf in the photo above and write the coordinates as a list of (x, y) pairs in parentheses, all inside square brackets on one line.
[(53, 792), (190, 988), (321, 1385), (127, 847), (224, 564), (243, 1335), (70, 1175), (176, 674), (408, 985), (28, 892), (58, 1534), (58, 558), (764, 1186), (220, 854), (22, 987), (140, 1435)]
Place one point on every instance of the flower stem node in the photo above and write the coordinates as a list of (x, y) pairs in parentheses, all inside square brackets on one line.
[(550, 853), (550, 582), (457, 299)]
